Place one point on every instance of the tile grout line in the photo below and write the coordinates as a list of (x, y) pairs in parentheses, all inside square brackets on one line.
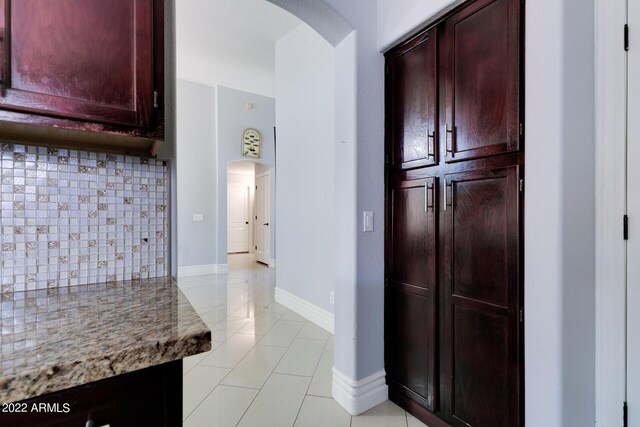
[(220, 382), (306, 393)]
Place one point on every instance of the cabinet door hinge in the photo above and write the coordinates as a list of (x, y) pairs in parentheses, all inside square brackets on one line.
[(155, 99), (521, 315), (521, 129), (625, 414), (626, 37), (522, 185), (625, 227)]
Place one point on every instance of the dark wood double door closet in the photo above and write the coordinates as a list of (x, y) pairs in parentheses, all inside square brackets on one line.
[(453, 328)]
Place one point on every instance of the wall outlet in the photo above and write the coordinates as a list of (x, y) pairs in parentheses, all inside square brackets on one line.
[(198, 217), (332, 298)]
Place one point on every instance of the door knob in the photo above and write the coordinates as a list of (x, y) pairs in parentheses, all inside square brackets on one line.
[(266, 224)]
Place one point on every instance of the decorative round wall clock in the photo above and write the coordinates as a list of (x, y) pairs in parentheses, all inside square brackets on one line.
[(251, 141)]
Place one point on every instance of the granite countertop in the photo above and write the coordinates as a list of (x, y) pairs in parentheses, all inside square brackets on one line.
[(53, 339)]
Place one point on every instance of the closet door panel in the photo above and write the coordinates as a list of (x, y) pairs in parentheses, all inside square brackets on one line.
[(480, 240), (414, 93), (411, 289), (412, 342), (480, 367), (481, 282), (413, 233), (482, 80)]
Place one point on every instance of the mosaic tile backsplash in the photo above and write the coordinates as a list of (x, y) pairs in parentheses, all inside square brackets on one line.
[(72, 218)]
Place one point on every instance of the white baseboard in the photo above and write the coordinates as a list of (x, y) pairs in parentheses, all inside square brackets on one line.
[(315, 314), (201, 270), (357, 397), (272, 263)]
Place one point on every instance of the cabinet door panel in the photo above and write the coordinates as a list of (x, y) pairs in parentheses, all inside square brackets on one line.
[(481, 282), (483, 80), (411, 293), (414, 92), (412, 342), (480, 367), (413, 233), (480, 232), (81, 59)]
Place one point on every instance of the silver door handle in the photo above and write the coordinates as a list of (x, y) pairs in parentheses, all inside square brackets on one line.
[(445, 194)]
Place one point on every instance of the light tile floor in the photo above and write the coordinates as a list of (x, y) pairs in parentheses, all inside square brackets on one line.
[(268, 366)]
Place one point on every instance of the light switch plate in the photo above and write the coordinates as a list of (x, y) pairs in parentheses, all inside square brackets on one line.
[(368, 221), (198, 217)]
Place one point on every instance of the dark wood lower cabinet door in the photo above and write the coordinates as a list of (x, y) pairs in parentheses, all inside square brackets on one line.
[(148, 397), (411, 290), (481, 294)]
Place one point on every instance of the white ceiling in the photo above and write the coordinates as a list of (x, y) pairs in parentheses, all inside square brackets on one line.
[(230, 42), (243, 167)]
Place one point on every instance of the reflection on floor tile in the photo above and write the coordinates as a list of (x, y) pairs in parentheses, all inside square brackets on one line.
[(282, 333), (254, 370), (268, 366), (229, 353)]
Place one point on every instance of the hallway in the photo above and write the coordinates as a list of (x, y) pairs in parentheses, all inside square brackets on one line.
[(268, 366)]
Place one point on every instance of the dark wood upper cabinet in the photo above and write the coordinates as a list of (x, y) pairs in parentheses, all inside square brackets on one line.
[(90, 65), (482, 80), (411, 291), (480, 277), (413, 82)]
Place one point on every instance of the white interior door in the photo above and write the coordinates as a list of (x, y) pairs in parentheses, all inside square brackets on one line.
[(238, 218), (263, 218), (633, 214)]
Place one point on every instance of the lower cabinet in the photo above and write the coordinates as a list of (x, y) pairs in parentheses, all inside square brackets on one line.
[(148, 397), (411, 292), (453, 295)]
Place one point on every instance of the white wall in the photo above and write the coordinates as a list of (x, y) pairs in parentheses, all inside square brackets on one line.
[(559, 217), (196, 181), (360, 351), (231, 119), (346, 207), (305, 180)]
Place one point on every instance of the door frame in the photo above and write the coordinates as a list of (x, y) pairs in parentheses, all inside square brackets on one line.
[(611, 100)]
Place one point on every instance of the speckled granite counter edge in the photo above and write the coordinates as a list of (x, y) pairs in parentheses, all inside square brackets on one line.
[(48, 379)]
